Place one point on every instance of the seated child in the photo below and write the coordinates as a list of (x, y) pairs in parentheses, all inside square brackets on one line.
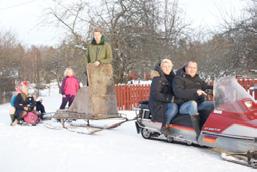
[(40, 108), (24, 104)]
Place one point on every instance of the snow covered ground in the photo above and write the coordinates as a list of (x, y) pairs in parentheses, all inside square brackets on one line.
[(30, 149)]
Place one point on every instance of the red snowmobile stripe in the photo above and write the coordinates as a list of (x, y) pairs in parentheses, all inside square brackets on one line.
[(209, 139), (179, 127)]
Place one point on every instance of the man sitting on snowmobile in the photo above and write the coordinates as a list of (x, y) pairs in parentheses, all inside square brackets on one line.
[(160, 103), (189, 90)]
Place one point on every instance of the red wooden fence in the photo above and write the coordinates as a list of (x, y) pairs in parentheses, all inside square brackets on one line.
[(128, 96), (250, 85)]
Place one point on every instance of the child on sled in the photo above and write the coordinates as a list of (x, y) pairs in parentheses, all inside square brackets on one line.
[(23, 106)]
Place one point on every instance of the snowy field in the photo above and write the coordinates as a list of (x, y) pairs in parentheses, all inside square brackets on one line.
[(40, 149)]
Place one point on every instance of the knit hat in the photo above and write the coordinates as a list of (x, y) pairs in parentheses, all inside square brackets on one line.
[(20, 85)]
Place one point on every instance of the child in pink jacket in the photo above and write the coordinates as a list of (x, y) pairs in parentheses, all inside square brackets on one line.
[(69, 87)]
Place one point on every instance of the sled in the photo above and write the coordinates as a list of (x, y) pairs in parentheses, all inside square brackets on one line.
[(230, 127), (96, 101)]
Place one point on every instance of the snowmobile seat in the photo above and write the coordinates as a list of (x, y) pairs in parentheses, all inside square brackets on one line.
[(185, 120), (182, 119)]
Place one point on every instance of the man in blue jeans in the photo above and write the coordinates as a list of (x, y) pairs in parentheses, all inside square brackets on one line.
[(161, 94), (189, 90)]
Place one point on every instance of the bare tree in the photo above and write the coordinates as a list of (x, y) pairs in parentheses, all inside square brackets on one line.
[(134, 28), (10, 53)]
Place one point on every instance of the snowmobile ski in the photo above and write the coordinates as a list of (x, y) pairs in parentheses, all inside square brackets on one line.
[(247, 159)]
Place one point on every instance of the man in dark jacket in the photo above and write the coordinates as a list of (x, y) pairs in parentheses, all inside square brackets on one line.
[(189, 90), (161, 106)]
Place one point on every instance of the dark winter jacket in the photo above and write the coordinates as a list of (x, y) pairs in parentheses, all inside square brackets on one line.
[(40, 107), (101, 52), (160, 94), (185, 88), (20, 103), (181, 71)]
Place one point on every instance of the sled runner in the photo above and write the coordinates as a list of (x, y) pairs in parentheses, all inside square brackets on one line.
[(231, 126)]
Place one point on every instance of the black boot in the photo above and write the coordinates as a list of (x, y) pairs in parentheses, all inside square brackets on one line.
[(165, 130), (196, 125)]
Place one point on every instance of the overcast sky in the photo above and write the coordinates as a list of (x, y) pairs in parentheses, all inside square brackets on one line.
[(24, 17)]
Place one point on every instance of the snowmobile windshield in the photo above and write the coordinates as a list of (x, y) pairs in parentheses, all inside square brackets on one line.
[(228, 94)]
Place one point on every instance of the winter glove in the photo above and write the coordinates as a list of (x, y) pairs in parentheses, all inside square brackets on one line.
[(97, 63)]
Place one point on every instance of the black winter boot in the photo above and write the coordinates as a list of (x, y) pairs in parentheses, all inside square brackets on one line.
[(196, 124), (165, 130)]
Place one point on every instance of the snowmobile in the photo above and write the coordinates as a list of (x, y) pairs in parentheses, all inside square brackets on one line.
[(230, 128)]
